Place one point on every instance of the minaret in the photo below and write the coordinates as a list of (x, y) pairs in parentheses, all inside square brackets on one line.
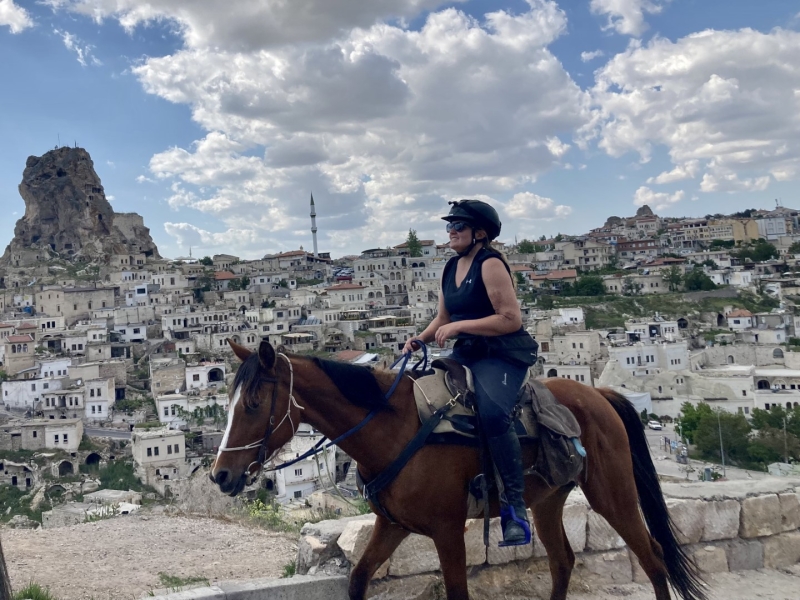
[(314, 225)]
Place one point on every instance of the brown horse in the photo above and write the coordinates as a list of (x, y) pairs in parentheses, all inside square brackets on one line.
[(273, 393)]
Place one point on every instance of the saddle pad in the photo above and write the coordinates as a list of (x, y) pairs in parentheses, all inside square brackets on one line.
[(430, 394)]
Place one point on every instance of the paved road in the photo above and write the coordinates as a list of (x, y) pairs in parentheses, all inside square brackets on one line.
[(116, 434), (667, 465)]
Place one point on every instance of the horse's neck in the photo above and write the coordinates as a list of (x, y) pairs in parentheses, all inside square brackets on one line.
[(381, 440)]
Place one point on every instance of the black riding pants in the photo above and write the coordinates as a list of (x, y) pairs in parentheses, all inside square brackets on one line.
[(497, 385)]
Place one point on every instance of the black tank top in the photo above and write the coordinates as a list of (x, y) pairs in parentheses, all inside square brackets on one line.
[(471, 301)]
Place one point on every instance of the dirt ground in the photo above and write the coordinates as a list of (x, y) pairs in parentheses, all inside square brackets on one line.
[(120, 559), (768, 584)]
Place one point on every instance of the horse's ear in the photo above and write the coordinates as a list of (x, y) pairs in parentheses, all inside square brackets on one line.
[(241, 352), (266, 355)]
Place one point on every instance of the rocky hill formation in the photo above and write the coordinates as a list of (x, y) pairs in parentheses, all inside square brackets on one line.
[(67, 215)]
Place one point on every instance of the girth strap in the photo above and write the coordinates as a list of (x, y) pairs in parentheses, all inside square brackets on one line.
[(374, 487)]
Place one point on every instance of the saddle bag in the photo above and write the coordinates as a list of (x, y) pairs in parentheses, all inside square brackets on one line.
[(558, 460)]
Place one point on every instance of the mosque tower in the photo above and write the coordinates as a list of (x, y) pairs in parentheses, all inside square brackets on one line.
[(314, 225)]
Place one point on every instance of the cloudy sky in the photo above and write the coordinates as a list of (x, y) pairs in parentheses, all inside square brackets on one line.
[(216, 119)]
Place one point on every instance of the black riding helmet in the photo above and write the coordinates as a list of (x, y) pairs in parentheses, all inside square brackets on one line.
[(477, 213)]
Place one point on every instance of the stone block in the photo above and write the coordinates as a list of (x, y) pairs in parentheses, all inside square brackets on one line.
[(604, 568), (782, 550), (575, 516), (354, 538), (415, 555), (721, 520), (473, 540), (689, 518), (498, 556), (299, 587), (744, 555), (761, 515), (711, 559), (790, 511), (601, 536), (203, 593), (309, 551)]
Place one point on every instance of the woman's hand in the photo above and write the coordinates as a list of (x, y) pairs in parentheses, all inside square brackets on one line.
[(447, 331), (412, 344)]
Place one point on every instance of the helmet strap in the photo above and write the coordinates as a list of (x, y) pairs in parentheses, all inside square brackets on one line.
[(469, 248)]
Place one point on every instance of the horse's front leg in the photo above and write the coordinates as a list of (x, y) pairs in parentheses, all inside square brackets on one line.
[(449, 541), (385, 539)]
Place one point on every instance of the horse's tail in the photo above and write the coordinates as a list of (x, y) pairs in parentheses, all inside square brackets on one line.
[(682, 572)]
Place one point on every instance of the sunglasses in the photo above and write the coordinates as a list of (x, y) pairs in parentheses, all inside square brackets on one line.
[(457, 226)]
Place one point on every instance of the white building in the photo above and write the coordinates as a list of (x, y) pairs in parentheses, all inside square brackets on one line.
[(301, 479), (174, 410), (205, 375), (159, 455), (21, 394), (98, 398)]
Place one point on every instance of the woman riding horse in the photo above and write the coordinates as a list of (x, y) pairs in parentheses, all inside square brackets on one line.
[(478, 307)]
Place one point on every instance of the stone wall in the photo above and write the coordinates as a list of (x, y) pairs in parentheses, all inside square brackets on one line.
[(724, 526)]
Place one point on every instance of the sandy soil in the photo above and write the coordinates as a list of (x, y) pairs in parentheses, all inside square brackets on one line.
[(121, 558)]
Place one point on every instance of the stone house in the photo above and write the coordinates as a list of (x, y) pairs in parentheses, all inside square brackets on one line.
[(19, 475), (73, 303), (67, 403), (167, 376), (58, 434), (99, 397), (739, 319), (173, 408), (204, 375), (18, 353), (21, 394), (159, 455)]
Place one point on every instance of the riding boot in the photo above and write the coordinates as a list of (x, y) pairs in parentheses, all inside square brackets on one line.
[(507, 456)]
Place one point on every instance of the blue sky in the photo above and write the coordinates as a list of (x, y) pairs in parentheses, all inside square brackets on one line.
[(216, 120)]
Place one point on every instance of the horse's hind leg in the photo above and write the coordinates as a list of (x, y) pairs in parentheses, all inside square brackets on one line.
[(547, 516), (385, 539), (615, 498)]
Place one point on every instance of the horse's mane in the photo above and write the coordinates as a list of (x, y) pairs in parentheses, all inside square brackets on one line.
[(357, 383), (250, 375)]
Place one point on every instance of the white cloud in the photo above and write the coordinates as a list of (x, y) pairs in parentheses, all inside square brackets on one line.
[(688, 170), (251, 24), (656, 200), (626, 16), (382, 123), (526, 205), (587, 56), (82, 50), (723, 103), (144, 179), (14, 17)]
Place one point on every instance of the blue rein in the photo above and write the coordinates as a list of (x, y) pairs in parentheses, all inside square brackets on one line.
[(319, 445)]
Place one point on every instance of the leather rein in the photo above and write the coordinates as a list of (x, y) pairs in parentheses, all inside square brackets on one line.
[(262, 444)]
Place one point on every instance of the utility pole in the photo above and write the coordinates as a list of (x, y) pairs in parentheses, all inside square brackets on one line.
[(785, 444), (721, 448)]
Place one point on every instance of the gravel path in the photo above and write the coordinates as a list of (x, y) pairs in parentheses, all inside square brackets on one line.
[(120, 559)]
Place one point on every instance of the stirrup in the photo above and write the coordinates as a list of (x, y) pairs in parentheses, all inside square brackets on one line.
[(507, 513)]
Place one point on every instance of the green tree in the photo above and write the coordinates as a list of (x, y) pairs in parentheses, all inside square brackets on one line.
[(689, 418), (721, 244), (589, 285), (521, 280), (545, 302), (206, 261), (772, 444), (630, 287), (696, 280), (240, 283), (794, 248), (758, 251), (732, 428), (3, 376), (558, 237), (528, 247), (673, 276), (414, 245)]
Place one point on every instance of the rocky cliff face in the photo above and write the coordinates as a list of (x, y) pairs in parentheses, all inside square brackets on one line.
[(67, 215)]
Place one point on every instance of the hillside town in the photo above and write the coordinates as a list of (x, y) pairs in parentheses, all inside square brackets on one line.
[(115, 354)]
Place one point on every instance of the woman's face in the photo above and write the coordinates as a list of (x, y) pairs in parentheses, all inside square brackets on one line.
[(460, 240)]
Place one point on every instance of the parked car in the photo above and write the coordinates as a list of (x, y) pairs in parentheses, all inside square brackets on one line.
[(654, 425)]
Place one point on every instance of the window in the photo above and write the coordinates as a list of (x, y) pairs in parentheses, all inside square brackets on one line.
[(35, 434), (149, 452), (46, 386), (93, 407), (298, 472), (91, 392), (747, 410), (176, 449), (196, 377), (33, 387), (744, 392), (56, 438), (298, 494), (169, 449), (135, 330), (166, 411), (155, 450), (65, 438)]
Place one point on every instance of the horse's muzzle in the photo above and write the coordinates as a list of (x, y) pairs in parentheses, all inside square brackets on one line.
[(228, 484)]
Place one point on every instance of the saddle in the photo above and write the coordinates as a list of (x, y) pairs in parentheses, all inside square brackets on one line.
[(539, 418)]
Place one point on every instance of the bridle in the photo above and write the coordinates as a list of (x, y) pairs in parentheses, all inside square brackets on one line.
[(271, 427)]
